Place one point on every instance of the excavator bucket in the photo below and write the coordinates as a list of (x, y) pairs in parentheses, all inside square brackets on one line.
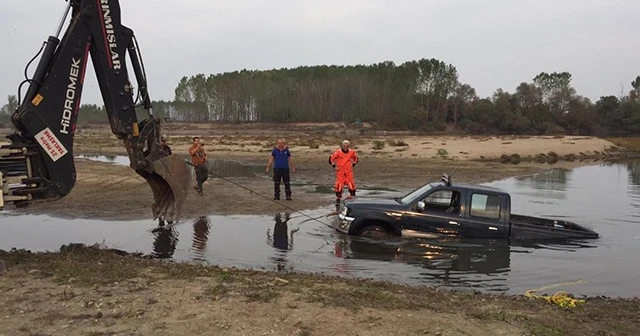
[(169, 182)]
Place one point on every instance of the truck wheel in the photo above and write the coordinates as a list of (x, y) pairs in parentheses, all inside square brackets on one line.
[(375, 231)]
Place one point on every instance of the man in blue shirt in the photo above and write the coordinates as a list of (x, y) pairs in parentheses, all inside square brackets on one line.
[(281, 160)]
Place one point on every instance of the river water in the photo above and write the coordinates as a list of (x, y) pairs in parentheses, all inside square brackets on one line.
[(604, 197)]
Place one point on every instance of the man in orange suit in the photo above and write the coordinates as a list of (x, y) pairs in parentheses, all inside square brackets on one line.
[(343, 160)]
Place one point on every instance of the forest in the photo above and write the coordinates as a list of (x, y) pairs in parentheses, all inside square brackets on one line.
[(424, 96)]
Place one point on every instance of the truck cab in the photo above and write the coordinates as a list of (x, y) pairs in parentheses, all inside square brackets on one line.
[(444, 209)]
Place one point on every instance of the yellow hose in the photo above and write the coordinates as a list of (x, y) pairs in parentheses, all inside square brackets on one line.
[(560, 298)]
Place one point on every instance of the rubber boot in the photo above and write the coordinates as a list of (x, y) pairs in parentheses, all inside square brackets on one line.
[(276, 190), (287, 190)]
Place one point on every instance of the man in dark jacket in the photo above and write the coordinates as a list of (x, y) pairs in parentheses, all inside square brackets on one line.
[(281, 160)]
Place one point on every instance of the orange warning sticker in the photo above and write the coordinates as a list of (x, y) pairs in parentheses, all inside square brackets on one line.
[(36, 100)]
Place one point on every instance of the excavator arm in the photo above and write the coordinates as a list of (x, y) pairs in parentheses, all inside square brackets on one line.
[(38, 163)]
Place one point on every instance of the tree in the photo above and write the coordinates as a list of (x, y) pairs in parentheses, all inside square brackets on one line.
[(635, 93), (435, 82), (556, 92), (527, 96), (423, 94), (7, 109), (463, 96), (552, 83), (606, 109), (582, 117), (92, 114), (10, 106)]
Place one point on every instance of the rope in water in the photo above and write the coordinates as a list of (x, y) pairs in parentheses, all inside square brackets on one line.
[(317, 219), (561, 298)]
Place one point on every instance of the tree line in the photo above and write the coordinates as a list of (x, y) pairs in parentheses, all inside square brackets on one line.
[(424, 95)]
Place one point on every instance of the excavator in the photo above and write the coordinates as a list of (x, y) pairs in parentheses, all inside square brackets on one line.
[(37, 164)]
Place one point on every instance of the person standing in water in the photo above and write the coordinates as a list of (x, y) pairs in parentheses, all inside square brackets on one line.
[(199, 162), (282, 166), (343, 160)]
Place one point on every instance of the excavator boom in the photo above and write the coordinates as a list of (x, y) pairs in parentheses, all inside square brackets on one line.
[(38, 163)]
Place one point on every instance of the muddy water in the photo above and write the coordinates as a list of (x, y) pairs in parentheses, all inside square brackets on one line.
[(115, 159), (225, 168), (604, 197)]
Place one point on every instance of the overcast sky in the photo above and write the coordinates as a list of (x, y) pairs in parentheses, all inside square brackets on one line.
[(493, 43)]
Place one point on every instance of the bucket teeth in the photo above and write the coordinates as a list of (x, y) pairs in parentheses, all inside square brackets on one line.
[(169, 183)]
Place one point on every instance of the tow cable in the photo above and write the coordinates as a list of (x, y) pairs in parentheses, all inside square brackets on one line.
[(267, 198)]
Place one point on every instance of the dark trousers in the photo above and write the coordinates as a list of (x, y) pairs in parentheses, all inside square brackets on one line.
[(202, 174), (278, 175)]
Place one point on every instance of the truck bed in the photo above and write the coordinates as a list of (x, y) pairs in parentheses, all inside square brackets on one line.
[(529, 227)]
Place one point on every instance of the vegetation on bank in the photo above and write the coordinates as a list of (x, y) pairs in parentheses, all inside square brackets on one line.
[(629, 144), (79, 265), (424, 95)]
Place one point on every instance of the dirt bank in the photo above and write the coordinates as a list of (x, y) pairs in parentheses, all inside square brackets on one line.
[(321, 139), (93, 292)]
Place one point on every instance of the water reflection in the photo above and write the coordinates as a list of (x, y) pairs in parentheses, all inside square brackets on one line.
[(479, 256), (165, 239), (108, 158), (449, 262), (201, 229), (552, 184), (281, 239), (115, 159), (445, 262), (634, 173)]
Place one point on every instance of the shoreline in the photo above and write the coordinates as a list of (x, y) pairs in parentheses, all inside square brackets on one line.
[(107, 292)]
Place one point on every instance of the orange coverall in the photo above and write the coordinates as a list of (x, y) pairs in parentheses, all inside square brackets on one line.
[(344, 163)]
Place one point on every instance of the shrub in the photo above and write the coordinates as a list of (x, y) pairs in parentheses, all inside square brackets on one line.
[(378, 145), (398, 143), (513, 158)]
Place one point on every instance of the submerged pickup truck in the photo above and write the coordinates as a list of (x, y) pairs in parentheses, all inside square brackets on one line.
[(446, 209)]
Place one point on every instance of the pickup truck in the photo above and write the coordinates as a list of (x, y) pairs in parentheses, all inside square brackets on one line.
[(446, 209)]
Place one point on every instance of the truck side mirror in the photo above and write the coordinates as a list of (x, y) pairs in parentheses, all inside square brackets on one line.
[(421, 205)]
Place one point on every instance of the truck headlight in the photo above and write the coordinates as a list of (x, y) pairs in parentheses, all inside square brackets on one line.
[(344, 211), (344, 220)]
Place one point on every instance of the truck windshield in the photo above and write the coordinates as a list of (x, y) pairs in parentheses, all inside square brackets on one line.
[(412, 196)]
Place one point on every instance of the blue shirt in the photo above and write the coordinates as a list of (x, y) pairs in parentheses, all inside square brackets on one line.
[(280, 157)]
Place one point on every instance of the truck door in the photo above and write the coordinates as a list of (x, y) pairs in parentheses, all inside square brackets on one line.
[(485, 216), (440, 213)]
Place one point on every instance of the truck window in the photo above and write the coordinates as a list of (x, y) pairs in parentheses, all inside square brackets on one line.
[(443, 201), (485, 206), (440, 197)]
